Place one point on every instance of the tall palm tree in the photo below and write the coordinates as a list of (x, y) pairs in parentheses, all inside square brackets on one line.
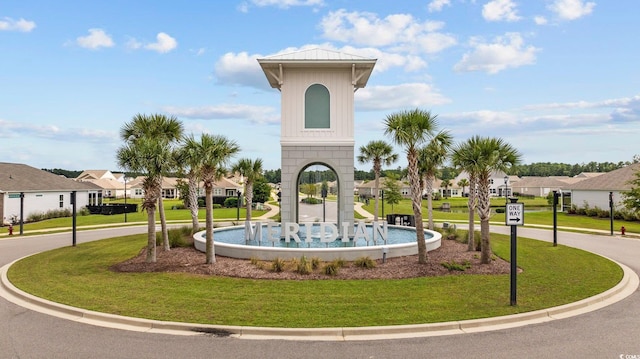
[(411, 129), (189, 159), (251, 170), (430, 158), (148, 147), (466, 156), (492, 154), (380, 153), (215, 152)]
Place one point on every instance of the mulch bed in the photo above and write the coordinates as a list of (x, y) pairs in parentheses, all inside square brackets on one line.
[(190, 260)]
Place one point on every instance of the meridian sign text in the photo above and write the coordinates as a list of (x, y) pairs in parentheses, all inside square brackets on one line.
[(328, 231)]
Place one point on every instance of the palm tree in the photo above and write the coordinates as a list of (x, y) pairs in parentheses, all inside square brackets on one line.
[(445, 184), (463, 182), (411, 129), (431, 157), (189, 159), (380, 153), (148, 147), (251, 170), (466, 156), (215, 152), (490, 154), (168, 131)]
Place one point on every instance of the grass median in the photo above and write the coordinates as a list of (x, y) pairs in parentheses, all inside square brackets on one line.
[(80, 276)]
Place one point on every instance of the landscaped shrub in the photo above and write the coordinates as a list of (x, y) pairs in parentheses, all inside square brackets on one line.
[(331, 269), (303, 266), (315, 263), (311, 200), (365, 262), (453, 265), (41, 216), (278, 265), (231, 202), (178, 237)]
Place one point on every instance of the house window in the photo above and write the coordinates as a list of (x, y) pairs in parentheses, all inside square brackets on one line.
[(138, 191), (61, 201), (316, 107), (217, 191)]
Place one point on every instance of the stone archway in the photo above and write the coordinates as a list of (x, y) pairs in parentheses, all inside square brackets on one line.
[(318, 194)]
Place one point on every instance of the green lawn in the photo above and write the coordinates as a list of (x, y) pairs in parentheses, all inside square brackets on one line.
[(542, 217), (172, 214), (80, 276)]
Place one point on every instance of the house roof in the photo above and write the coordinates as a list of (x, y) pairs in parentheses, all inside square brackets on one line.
[(539, 182), (617, 180), (16, 177), (314, 58), (108, 183), (92, 174)]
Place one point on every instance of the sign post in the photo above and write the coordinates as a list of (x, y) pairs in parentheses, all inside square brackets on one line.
[(514, 217)]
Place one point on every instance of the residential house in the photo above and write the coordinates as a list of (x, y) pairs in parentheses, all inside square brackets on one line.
[(28, 190), (595, 191), (539, 186), (112, 184), (500, 184), (222, 188), (367, 189)]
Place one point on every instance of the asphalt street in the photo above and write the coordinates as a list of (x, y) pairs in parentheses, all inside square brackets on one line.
[(610, 332)]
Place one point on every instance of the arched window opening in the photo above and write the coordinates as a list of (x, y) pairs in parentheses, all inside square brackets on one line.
[(316, 107)]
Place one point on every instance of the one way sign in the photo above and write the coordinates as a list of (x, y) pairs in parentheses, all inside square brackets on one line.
[(515, 214)]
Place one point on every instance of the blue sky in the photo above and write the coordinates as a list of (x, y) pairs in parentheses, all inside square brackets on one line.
[(557, 79)]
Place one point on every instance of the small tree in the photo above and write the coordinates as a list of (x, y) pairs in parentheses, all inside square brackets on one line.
[(392, 193), (632, 198)]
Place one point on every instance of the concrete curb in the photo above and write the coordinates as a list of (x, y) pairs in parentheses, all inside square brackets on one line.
[(623, 289)]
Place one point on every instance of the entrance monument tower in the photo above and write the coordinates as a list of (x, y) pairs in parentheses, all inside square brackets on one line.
[(317, 120)]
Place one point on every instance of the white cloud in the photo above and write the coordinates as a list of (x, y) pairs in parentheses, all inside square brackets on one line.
[(96, 39), (242, 68), (409, 95), (571, 9), (133, 44), (287, 3), (254, 114), (540, 20), (500, 10), (397, 30), (10, 129), (22, 25), (164, 43), (504, 52), (437, 5)]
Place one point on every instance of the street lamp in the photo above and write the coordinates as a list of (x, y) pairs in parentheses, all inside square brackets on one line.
[(506, 189), (239, 193)]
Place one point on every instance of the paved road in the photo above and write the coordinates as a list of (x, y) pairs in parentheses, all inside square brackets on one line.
[(606, 333)]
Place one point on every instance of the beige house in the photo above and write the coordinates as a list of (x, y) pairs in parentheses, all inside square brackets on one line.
[(595, 191), (112, 184)]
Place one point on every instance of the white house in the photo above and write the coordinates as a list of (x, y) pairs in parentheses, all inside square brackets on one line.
[(500, 184), (595, 191), (33, 191)]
